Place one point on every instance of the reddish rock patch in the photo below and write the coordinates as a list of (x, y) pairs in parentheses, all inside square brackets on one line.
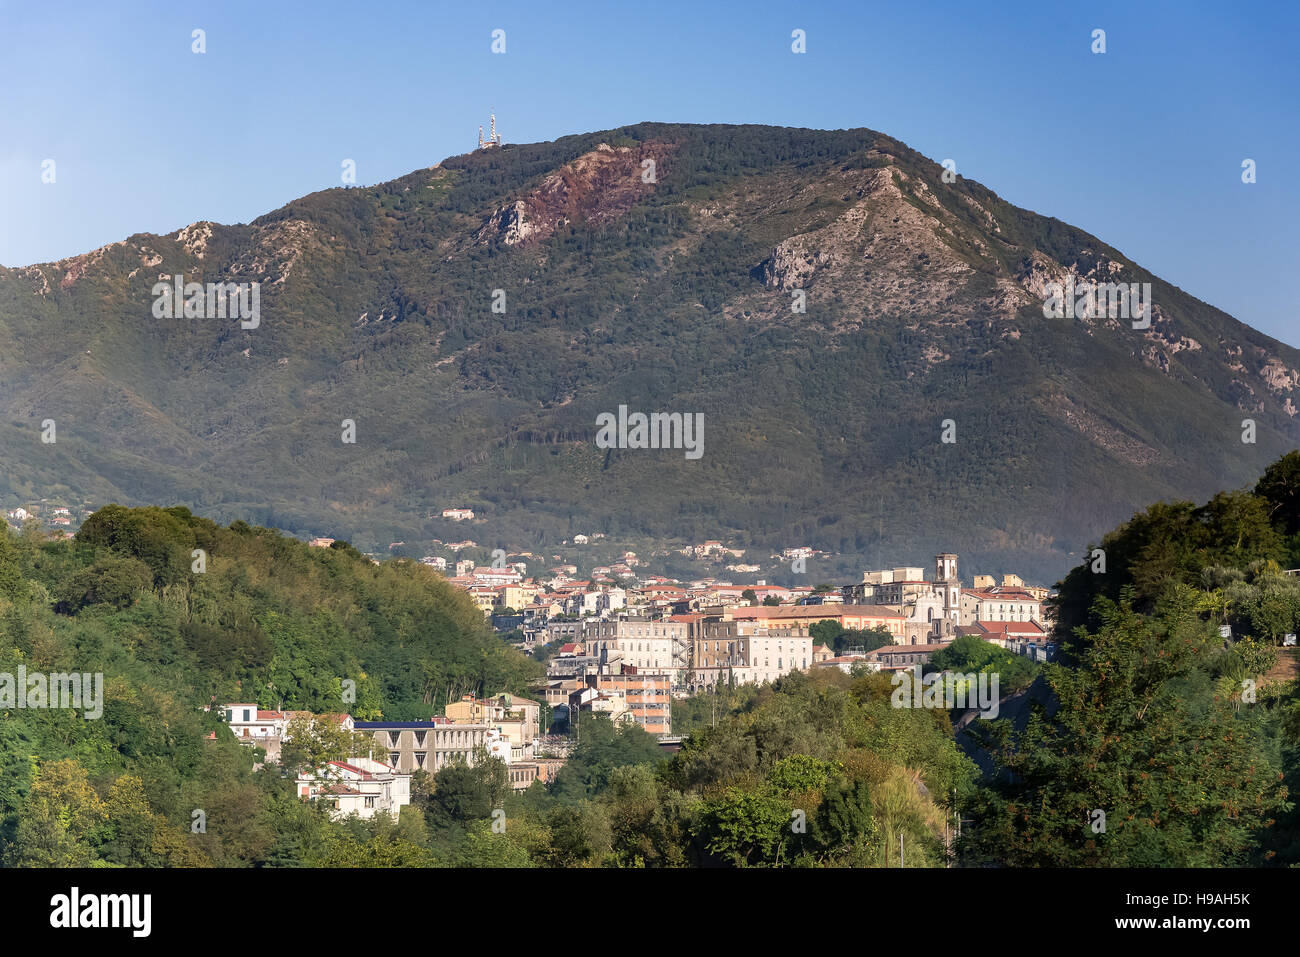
[(595, 188)]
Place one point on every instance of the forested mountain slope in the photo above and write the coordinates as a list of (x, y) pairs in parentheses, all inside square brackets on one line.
[(663, 292)]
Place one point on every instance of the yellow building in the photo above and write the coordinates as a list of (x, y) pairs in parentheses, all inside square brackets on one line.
[(484, 597), (518, 596)]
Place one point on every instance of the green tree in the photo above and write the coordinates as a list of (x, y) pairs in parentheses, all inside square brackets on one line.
[(310, 742), (580, 835), (603, 747), (464, 792), (844, 827), (1279, 487), (61, 820), (745, 828), (1180, 782)]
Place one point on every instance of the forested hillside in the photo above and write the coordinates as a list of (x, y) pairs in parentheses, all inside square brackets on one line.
[(1173, 709), (1186, 742), (269, 620), (274, 621)]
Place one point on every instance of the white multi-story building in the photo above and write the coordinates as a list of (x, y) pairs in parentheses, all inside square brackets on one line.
[(611, 600), (362, 787), (488, 575), (999, 604), (768, 657), (249, 722)]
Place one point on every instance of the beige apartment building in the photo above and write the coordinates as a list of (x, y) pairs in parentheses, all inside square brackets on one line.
[(484, 596), (425, 745), (648, 696), (866, 590), (518, 596), (747, 651), (769, 656)]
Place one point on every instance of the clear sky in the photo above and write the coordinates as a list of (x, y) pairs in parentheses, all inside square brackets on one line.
[(1141, 145)]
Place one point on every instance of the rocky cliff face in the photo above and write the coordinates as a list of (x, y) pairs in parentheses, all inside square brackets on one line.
[(593, 189)]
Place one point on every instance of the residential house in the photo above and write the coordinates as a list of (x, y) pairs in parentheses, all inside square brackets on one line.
[(362, 787)]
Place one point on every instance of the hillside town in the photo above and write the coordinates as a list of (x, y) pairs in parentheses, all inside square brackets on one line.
[(625, 649), (623, 642), (626, 646)]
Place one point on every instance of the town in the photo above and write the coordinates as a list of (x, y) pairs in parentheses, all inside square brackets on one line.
[(624, 647), (624, 643)]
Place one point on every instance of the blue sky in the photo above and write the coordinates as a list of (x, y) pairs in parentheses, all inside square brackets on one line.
[(1141, 145)]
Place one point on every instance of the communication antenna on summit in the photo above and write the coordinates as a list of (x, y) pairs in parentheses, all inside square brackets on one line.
[(494, 138)]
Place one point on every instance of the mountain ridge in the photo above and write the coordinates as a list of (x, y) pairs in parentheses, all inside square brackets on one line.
[(666, 295)]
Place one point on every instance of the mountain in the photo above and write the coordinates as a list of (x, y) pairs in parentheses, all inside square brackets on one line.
[(653, 267)]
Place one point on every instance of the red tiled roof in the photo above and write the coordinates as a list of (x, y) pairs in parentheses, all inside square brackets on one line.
[(339, 789), (350, 767), (1000, 592)]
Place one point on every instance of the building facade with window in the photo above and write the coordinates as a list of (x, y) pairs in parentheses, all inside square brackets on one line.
[(425, 745), (645, 644)]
